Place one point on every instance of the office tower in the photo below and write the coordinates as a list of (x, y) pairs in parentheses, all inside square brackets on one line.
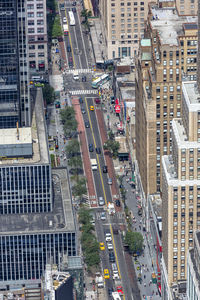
[(188, 7), (181, 188), (14, 91), (37, 36), (36, 224), (124, 25), (193, 269), (169, 48)]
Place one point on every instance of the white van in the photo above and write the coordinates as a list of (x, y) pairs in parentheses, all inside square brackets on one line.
[(75, 75), (36, 78)]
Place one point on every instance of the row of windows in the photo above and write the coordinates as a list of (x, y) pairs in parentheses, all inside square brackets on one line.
[(39, 14), (39, 30)]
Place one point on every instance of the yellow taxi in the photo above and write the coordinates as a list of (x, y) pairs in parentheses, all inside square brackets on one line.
[(106, 274), (91, 107), (101, 246)]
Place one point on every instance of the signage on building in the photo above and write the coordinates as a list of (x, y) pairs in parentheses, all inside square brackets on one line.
[(117, 109)]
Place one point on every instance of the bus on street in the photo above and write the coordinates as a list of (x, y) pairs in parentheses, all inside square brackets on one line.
[(71, 18), (100, 80)]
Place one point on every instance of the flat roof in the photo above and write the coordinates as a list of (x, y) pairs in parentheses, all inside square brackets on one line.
[(123, 145), (191, 95), (61, 218), (38, 137), (12, 136), (146, 56), (145, 42), (169, 24), (190, 26)]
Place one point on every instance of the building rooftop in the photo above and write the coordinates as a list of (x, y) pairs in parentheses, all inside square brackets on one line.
[(169, 24), (146, 56), (61, 218), (36, 134), (191, 95), (145, 42), (127, 93), (123, 146)]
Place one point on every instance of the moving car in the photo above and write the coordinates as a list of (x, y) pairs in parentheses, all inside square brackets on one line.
[(111, 257), (91, 148), (91, 107), (87, 124), (106, 274), (64, 20), (110, 290), (101, 246), (108, 237), (80, 100), (110, 246), (110, 181), (74, 9), (101, 201), (105, 169), (98, 150), (84, 79), (120, 290), (69, 49), (103, 216)]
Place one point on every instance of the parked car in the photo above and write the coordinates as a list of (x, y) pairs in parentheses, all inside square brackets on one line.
[(106, 274), (110, 246), (117, 202), (84, 78), (105, 169), (83, 110), (69, 49), (74, 9), (109, 181), (111, 257), (80, 100), (91, 148), (103, 216), (108, 237), (64, 20)]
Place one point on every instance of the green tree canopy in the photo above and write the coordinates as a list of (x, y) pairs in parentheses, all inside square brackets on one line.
[(79, 189), (112, 146), (67, 113), (56, 28), (70, 127), (85, 13), (134, 240), (73, 147), (48, 93), (92, 259), (84, 215)]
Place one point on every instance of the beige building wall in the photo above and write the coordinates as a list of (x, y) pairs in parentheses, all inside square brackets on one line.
[(124, 25), (187, 7), (172, 50), (181, 187)]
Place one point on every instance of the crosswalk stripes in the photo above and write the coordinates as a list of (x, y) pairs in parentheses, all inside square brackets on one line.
[(71, 71), (83, 92)]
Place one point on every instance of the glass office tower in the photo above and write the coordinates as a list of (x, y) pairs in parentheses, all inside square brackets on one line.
[(14, 94)]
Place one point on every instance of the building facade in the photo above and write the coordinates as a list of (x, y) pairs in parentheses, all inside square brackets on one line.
[(37, 36), (14, 91), (124, 26), (181, 187), (188, 7), (168, 51), (193, 270)]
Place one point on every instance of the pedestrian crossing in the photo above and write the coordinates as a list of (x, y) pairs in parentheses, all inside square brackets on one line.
[(80, 71), (83, 92)]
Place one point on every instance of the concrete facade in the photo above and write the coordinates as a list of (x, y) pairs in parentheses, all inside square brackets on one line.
[(181, 187), (168, 49), (124, 26), (188, 7)]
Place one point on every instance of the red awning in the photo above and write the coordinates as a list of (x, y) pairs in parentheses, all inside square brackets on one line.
[(41, 65)]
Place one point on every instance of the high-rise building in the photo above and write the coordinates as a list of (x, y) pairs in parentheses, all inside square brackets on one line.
[(193, 269), (124, 25), (188, 7), (37, 225), (169, 48), (14, 91), (181, 188), (37, 36)]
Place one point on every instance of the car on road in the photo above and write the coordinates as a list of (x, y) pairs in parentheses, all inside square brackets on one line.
[(117, 202), (91, 107), (101, 246), (74, 3), (64, 20), (74, 9), (83, 110), (97, 100), (111, 257), (69, 48), (110, 246), (62, 6), (84, 78), (98, 150), (91, 148), (101, 201), (103, 216), (106, 274), (109, 181), (120, 290), (70, 59), (105, 169), (108, 237), (70, 64), (80, 100), (87, 124), (110, 291)]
